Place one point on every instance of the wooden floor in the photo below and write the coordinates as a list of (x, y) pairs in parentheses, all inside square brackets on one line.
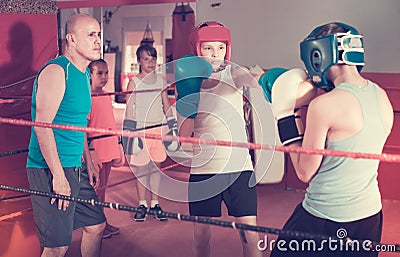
[(172, 238)]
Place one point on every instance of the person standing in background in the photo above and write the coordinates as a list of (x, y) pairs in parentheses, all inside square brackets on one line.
[(147, 106), (106, 152)]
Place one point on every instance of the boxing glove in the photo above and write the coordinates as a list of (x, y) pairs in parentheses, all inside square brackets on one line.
[(267, 80), (131, 145), (281, 88), (172, 146), (191, 70)]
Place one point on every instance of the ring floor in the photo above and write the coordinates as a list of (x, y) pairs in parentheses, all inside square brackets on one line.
[(172, 238)]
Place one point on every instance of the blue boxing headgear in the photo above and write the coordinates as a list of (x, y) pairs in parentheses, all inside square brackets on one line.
[(319, 53)]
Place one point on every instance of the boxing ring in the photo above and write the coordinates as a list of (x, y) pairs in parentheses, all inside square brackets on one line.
[(181, 217)]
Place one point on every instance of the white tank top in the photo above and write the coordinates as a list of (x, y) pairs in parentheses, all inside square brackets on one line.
[(148, 104), (220, 117)]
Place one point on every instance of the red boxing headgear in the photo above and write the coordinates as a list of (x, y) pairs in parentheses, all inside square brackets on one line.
[(211, 31)]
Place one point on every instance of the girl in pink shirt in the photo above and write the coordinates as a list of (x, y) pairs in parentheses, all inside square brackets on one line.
[(106, 152)]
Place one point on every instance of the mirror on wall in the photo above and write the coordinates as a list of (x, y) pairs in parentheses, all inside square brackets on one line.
[(123, 28), (134, 30)]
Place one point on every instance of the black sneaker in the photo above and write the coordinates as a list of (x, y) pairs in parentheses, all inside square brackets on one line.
[(158, 215), (140, 216)]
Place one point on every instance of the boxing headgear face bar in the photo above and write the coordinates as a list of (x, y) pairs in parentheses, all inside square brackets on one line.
[(211, 32), (320, 53)]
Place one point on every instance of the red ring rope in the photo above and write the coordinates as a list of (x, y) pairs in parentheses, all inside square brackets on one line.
[(11, 99), (289, 149)]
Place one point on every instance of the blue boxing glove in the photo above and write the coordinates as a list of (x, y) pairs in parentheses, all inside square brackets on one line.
[(172, 146), (131, 145), (282, 87), (267, 80), (191, 70)]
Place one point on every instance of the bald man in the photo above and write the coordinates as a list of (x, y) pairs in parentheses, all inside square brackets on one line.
[(61, 95)]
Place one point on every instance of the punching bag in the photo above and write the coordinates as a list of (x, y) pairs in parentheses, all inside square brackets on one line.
[(183, 22)]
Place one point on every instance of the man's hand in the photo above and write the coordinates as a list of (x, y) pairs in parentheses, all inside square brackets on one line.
[(61, 187)]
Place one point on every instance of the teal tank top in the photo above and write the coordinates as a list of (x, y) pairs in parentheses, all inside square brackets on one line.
[(346, 189), (74, 109)]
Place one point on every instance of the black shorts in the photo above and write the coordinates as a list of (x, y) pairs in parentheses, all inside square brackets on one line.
[(207, 191), (55, 226), (369, 228)]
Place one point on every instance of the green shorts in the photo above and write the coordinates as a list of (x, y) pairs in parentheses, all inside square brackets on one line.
[(55, 226)]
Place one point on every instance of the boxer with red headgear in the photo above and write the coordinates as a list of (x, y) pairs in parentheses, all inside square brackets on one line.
[(209, 32), (210, 105)]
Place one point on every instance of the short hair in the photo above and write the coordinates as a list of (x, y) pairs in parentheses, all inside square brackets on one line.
[(329, 29), (146, 48), (94, 63)]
